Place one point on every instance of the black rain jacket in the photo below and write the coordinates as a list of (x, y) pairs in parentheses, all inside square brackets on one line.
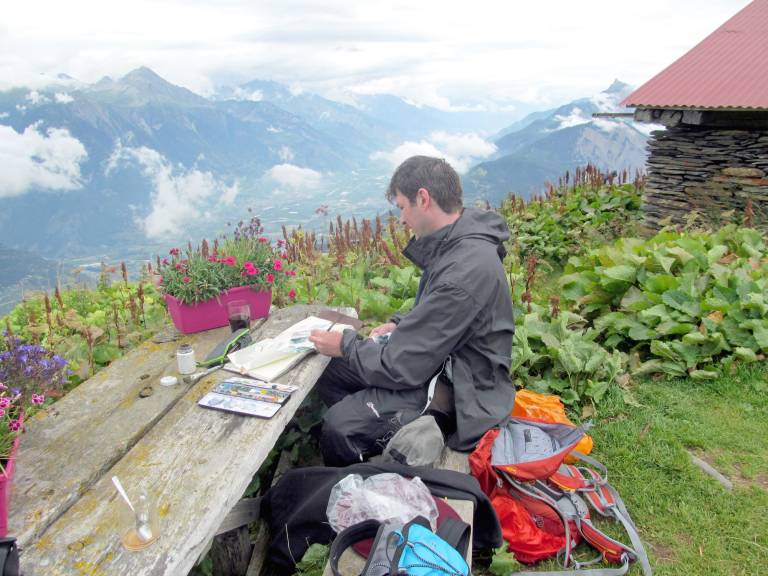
[(463, 310)]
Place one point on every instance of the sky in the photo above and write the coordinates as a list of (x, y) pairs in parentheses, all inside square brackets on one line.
[(451, 55)]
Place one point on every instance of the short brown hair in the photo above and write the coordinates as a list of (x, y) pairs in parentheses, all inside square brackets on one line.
[(433, 174)]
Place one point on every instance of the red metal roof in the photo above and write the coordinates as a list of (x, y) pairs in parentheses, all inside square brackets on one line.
[(728, 69)]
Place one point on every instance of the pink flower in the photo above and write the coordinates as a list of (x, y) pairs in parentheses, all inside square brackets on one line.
[(165, 262), (2, 412), (280, 243), (278, 264), (251, 271), (290, 272), (38, 399), (292, 294), (174, 251), (229, 261), (263, 240), (14, 425), (5, 402), (270, 278), (212, 259), (178, 266), (284, 255), (186, 279)]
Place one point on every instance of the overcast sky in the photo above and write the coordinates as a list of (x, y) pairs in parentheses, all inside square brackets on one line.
[(439, 52)]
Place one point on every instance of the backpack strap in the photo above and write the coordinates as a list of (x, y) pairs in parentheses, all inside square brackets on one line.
[(456, 533), (620, 571), (348, 536)]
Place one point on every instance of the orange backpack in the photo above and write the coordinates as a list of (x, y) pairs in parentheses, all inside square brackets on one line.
[(541, 501)]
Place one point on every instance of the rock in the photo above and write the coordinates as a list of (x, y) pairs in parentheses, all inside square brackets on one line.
[(744, 172)]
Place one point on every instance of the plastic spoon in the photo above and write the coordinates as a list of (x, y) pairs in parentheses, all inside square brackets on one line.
[(142, 527)]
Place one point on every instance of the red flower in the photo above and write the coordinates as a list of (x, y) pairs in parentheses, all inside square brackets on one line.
[(229, 261), (278, 265), (263, 240), (165, 262), (212, 259), (186, 279), (292, 294), (290, 272), (270, 278), (174, 251), (178, 266), (280, 243)]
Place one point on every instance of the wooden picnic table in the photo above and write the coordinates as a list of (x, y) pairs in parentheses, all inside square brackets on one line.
[(194, 463)]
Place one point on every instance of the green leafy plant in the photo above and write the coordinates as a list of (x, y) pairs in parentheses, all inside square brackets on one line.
[(680, 302), (588, 211)]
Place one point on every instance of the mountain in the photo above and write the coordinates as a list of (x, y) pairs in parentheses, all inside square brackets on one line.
[(133, 140), (20, 272), (543, 146)]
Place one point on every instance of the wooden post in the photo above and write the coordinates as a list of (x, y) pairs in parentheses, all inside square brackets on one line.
[(231, 552)]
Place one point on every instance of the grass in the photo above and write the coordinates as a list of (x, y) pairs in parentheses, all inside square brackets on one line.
[(689, 522)]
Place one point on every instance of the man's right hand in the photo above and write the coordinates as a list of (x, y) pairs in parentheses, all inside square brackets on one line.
[(383, 329)]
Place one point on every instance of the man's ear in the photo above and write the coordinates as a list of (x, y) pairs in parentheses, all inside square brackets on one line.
[(423, 195)]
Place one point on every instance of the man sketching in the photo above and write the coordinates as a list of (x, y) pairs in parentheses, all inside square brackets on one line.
[(444, 370)]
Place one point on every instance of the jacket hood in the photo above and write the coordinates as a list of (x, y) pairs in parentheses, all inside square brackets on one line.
[(473, 223)]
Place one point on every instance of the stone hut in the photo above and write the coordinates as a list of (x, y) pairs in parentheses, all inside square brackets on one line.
[(713, 101)]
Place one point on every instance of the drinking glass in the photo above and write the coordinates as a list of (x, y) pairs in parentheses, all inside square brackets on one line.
[(239, 314)]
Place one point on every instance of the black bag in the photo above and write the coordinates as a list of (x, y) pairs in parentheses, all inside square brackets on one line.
[(408, 549), (295, 508)]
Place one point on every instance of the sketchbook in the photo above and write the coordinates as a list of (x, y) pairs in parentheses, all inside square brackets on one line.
[(270, 358), (245, 396)]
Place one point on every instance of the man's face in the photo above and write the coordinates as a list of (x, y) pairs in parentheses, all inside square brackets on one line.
[(412, 214)]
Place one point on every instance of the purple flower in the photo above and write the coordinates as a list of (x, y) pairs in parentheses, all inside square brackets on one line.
[(14, 425)]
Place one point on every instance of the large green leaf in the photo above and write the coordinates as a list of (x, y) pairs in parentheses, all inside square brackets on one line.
[(683, 302), (660, 283)]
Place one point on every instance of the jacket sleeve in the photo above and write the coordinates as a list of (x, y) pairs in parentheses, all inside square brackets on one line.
[(422, 341)]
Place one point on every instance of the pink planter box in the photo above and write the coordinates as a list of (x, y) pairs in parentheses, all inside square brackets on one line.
[(189, 319), (5, 486)]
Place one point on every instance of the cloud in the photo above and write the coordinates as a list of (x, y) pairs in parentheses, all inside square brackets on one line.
[(248, 95), (4, 115), (179, 196), (35, 160), (294, 176), (36, 97), (575, 118), (459, 150), (285, 154), (273, 130), (63, 98)]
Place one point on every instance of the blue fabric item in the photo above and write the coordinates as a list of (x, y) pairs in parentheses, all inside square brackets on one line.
[(424, 553)]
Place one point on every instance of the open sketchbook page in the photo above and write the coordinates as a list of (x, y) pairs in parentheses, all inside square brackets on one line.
[(270, 358)]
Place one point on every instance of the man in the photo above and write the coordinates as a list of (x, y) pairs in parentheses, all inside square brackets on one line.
[(459, 329)]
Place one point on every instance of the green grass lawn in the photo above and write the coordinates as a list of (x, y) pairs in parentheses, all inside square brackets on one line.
[(690, 523)]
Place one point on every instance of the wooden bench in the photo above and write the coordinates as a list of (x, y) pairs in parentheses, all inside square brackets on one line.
[(193, 462), (352, 563)]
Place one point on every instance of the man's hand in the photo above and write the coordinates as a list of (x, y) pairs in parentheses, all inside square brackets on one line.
[(383, 329), (328, 343)]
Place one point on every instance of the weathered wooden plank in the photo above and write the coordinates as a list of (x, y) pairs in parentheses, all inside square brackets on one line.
[(67, 448), (195, 463)]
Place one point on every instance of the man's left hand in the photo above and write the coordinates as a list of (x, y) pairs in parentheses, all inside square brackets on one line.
[(328, 343)]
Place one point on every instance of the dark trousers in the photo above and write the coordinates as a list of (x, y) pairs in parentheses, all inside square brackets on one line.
[(361, 420)]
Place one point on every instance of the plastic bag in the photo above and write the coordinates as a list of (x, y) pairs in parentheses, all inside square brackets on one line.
[(549, 408), (379, 497)]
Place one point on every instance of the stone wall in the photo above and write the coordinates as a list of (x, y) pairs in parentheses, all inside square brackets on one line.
[(709, 171)]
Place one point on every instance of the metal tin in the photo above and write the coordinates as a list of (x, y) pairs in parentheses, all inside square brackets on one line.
[(185, 359)]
